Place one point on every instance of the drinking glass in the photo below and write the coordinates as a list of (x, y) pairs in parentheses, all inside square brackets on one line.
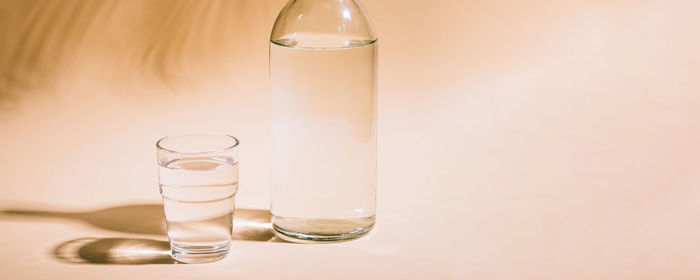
[(198, 178)]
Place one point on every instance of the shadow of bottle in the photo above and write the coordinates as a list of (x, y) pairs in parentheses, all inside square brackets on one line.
[(145, 219), (138, 218), (248, 224)]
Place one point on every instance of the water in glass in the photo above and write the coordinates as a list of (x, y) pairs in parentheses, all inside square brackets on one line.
[(198, 197)]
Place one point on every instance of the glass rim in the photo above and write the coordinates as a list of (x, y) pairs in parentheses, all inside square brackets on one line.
[(235, 144)]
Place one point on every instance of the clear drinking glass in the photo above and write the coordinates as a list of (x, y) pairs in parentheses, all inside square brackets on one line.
[(198, 177)]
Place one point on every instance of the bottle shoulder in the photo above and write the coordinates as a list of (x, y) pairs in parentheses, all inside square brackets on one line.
[(323, 24)]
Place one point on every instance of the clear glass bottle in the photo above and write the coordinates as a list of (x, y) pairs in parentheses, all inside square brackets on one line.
[(323, 57)]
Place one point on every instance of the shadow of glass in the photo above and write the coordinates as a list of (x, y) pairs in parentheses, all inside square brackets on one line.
[(127, 251), (149, 219)]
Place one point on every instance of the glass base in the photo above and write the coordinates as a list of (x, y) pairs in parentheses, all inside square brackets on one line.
[(319, 236), (199, 254)]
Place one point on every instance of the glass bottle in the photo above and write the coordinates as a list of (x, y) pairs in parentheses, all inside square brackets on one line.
[(323, 58)]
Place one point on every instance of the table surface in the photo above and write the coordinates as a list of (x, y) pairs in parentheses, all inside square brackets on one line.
[(517, 140)]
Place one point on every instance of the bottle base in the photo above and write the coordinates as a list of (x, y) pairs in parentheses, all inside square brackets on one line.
[(321, 230)]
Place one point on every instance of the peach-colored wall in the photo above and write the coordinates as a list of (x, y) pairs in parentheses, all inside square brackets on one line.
[(517, 139)]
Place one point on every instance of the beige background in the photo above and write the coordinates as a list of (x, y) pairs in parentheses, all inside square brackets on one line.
[(518, 139)]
